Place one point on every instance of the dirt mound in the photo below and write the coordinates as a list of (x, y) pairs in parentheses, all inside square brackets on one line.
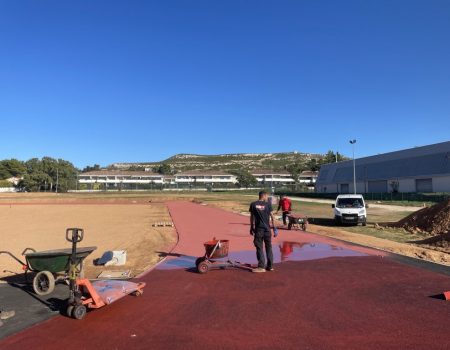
[(433, 220), (441, 241)]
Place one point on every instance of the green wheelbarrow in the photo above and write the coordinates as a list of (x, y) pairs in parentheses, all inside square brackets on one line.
[(50, 266)]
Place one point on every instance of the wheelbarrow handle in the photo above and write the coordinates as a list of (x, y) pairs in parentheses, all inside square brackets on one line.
[(14, 257), (26, 250), (74, 234)]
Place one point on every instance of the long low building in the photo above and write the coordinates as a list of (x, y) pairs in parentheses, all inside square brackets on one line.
[(199, 178), (122, 179), (119, 179), (422, 169)]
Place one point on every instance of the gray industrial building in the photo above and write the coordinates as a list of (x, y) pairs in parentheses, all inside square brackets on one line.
[(421, 169)]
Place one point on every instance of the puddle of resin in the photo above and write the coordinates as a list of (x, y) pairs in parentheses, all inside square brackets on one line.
[(284, 251)]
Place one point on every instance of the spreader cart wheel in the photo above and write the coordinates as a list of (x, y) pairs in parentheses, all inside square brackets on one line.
[(289, 226), (79, 311), (203, 267), (43, 283), (199, 260), (138, 293)]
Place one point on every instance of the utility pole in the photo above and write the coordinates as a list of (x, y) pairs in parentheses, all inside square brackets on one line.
[(57, 179), (352, 142)]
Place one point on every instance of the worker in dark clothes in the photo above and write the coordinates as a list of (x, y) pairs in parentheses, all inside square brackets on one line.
[(285, 205), (4, 315), (260, 216)]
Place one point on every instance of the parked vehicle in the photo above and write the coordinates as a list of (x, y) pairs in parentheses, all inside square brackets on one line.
[(350, 209)]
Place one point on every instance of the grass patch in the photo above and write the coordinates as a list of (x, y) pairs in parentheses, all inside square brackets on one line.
[(392, 234)]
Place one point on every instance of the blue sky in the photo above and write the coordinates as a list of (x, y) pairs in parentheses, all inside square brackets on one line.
[(106, 81)]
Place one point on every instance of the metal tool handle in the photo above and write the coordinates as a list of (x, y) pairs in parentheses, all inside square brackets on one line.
[(74, 235), (26, 250)]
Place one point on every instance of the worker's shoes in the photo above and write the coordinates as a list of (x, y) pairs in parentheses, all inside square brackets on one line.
[(4, 315), (270, 269), (259, 270)]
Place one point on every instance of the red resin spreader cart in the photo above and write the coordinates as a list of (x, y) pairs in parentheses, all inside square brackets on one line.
[(216, 251)]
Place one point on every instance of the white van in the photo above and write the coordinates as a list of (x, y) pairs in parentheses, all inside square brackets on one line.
[(350, 209)]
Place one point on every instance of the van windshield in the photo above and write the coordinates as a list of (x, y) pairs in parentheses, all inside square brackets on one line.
[(350, 203)]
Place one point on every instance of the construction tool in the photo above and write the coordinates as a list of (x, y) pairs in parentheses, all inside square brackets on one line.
[(85, 294), (49, 266), (297, 221), (215, 250)]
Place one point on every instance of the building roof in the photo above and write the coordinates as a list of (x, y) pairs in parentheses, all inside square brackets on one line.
[(419, 161), (309, 173), (119, 173), (269, 172), (203, 173)]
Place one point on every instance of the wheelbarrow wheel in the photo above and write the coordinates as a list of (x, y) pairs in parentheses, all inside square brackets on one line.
[(43, 283), (289, 226), (203, 267), (79, 312), (69, 310)]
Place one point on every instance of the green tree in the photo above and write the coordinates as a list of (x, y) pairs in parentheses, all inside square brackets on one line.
[(95, 167), (5, 183), (245, 179), (314, 164), (48, 174), (164, 169), (330, 157), (36, 181), (295, 170), (10, 168)]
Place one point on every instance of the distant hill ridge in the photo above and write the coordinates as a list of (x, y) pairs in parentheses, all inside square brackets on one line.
[(229, 161)]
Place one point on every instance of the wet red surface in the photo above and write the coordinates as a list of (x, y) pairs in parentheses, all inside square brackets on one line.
[(352, 302)]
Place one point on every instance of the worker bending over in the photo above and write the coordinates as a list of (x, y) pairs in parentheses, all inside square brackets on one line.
[(285, 205)]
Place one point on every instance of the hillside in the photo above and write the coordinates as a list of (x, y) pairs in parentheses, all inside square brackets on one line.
[(181, 162)]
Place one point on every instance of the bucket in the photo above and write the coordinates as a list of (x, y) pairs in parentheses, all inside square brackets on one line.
[(220, 252)]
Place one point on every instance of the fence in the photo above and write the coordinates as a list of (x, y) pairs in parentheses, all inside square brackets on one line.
[(385, 197)]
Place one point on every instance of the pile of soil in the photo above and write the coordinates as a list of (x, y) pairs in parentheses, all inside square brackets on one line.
[(433, 220), (439, 241)]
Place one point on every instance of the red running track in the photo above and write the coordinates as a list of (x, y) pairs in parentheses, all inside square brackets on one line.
[(341, 302)]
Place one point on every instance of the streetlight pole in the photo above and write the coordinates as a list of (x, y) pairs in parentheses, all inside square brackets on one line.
[(57, 179), (354, 165)]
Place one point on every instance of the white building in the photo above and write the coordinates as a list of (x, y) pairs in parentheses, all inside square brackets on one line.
[(422, 169), (267, 177), (207, 177), (115, 179), (122, 179), (308, 178)]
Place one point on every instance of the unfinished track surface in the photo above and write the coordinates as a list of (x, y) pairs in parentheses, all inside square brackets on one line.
[(340, 297)]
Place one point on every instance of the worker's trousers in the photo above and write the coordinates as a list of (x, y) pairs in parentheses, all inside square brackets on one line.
[(263, 238), (285, 215)]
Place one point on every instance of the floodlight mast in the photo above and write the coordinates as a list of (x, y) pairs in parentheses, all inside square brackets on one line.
[(352, 142)]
